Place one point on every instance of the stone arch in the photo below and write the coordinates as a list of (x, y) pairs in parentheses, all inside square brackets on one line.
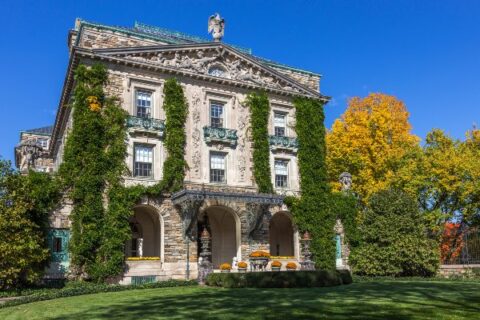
[(283, 235), (224, 226), (147, 226)]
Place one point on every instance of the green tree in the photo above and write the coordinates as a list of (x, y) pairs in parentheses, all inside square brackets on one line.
[(25, 202), (394, 238)]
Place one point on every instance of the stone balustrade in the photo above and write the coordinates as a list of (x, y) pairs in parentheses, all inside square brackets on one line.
[(284, 143), (222, 135), (150, 125)]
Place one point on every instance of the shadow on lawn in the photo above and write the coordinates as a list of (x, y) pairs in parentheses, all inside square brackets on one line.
[(386, 300)]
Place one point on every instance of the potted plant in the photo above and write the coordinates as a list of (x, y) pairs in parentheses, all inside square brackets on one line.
[(259, 260), (225, 267), (291, 266), (242, 266), (276, 265)]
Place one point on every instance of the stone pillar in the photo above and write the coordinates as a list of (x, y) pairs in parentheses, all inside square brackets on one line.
[(140, 247), (307, 263)]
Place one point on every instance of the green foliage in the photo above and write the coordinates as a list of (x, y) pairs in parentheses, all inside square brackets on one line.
[(394, 239), (25, 202), (314, 205), (280, 279), (176, 110), (93, 165), (81, 288), (346, 206), (260, 110)]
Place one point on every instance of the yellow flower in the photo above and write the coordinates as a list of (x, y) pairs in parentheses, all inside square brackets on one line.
[(242, 265), (276, 264), (142, 258), (291, 265)]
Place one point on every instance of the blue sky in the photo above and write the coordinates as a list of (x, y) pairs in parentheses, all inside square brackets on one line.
[(427, 53)]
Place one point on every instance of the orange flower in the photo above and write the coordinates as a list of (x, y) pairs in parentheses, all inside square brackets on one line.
[(291, 265), (260, 254), (226, 266), (242, 265), (276, 264)]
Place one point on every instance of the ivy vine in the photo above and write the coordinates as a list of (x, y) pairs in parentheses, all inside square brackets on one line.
[(94, 166), (260, 111), (312, 211)]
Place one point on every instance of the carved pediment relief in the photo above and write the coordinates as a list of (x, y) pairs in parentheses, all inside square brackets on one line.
[(217, 62)]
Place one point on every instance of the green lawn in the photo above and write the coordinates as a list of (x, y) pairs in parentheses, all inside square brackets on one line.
[(364, 300)]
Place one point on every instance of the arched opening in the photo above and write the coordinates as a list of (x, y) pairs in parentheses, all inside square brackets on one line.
[(224, 229), (281, 235), (145, 234)]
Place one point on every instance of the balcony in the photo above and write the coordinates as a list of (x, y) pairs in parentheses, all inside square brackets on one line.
[(221, 135), (146, 125), (283, 143)]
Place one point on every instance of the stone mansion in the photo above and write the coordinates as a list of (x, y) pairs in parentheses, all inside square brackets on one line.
[(219, 192)]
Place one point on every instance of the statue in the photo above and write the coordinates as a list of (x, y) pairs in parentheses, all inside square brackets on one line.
[(346, 181), (216, 26)]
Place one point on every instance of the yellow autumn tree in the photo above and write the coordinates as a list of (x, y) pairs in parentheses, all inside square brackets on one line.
[(372, 141)]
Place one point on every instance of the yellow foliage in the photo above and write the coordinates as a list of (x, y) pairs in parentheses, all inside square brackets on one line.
[(370, 141)]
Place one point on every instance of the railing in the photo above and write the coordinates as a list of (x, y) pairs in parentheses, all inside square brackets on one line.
[(460, 245), (286, 143), (146, 124), (222, 135)]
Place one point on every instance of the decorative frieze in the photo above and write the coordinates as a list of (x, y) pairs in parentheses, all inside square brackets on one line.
[(148, 125), (283, 143), (220, 135)]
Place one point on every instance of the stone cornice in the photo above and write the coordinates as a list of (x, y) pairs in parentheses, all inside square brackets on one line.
[(120, 56), (200, 195)]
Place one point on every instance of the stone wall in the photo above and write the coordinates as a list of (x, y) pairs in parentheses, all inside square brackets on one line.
[(459, 270)]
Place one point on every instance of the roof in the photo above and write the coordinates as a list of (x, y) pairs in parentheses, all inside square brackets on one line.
[(43, 131), (175, 37)]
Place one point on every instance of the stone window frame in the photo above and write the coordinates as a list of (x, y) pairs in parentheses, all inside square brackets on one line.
[(288, 162), (155, 87), (152, 169), (225, 159)]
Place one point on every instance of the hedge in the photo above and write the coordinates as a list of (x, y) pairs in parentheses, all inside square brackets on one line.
[(81, 288), (280, 279)]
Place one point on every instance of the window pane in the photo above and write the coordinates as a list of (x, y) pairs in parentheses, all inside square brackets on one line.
[(281, 173), (216, 115), (217, 167), (143, 103), (279, 123), (143, 161)]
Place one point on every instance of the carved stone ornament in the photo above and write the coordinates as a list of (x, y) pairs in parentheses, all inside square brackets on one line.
[(254, 215), (216, 26), (189, 214), (345, 180), (216, 62)]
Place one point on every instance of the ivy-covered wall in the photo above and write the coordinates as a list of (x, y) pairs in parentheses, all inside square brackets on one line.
[(312, 211), (93, 169), (260, 111)]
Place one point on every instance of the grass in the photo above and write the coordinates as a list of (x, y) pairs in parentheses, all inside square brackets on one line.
[(364, 300)]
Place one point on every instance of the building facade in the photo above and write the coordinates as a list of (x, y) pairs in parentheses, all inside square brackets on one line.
[(220, 194)]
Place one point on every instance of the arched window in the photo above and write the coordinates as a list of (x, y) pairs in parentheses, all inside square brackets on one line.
[(217, 71)]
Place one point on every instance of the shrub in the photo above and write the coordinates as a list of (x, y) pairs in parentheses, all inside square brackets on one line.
[(300, 279), (242, 265), (394, 239)]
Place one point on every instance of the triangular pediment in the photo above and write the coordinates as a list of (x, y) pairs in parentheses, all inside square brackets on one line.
[(211, 60)]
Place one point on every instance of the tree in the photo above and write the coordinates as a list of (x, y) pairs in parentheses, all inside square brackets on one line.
[(25, 202), (394, 238), (371, 141)]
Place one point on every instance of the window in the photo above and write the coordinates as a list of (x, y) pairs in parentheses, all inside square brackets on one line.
[(279, 123), (134, 247), (216, 115), (216, 71), (143, 161), (217, 167), (57, 245), (42, 142), (281, 173), (143, 103)]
